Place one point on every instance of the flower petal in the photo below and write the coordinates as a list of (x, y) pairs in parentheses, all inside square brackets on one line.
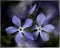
[(40, 19), (32, 9), (35, 35), (48, 28), (44, 36), (16, 21), (35, 27), (11, 30), (28, 23), (28, 35), (18, 38)]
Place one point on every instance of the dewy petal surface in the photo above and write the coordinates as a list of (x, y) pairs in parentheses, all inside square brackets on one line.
[(16, 21), (32, 9), (18, 37), (40, 19), (48, 28), (28, 23), (44, 36), (28, 35), (35, 35), (11, 30)]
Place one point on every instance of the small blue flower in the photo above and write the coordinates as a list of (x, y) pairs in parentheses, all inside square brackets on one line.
[(43, 31), (32, 9), (20, 29)]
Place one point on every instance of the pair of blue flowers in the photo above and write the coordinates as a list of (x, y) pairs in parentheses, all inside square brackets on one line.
[(42, 30)]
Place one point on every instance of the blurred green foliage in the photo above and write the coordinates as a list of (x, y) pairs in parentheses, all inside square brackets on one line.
[(53, 42)]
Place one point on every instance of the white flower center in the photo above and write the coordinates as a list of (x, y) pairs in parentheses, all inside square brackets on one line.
[(20, 29), (39, 29)]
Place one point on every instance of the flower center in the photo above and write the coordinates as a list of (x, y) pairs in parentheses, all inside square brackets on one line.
[(20, 29), (39, 29)]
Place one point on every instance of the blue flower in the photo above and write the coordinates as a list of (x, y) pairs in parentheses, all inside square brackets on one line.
[(42, 30), (20, 29), (32, 9)]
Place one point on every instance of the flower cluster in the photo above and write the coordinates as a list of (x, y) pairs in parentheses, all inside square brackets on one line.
[(42, 30)]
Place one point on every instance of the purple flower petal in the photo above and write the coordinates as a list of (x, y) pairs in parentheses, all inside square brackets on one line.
[(44, 36), (28, 23), (16, 21), (28, 35), (11, 30), (18, 37), (32, 9), (35, 35), (40, 19), (35, 27), (48, 28)]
